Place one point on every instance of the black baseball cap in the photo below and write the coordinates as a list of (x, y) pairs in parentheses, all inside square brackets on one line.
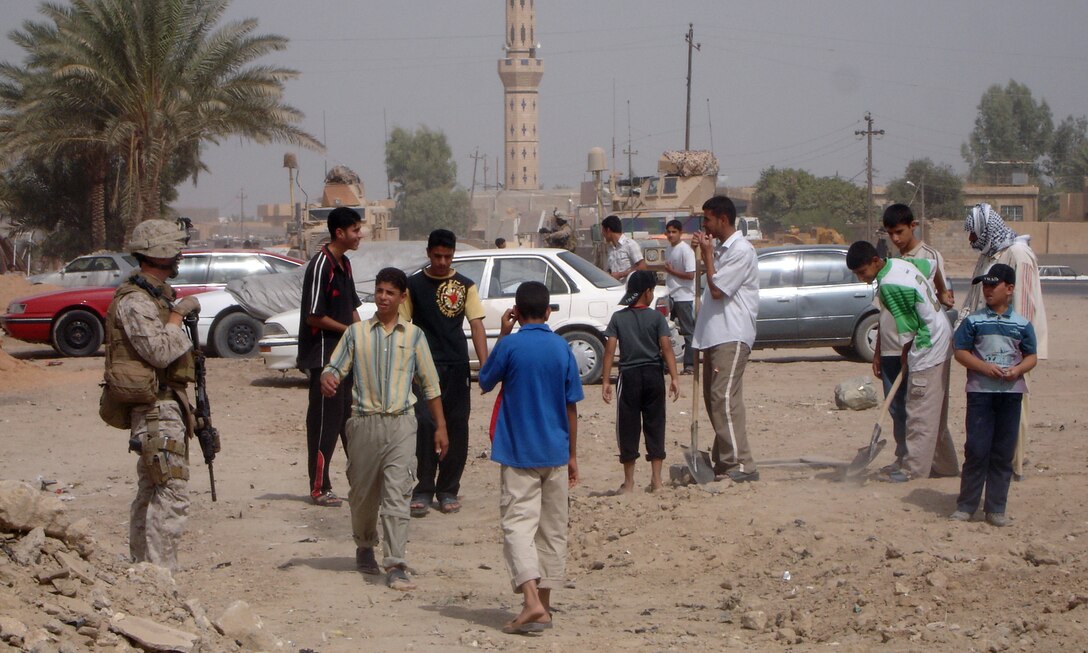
[(996, 274), (639, 282)]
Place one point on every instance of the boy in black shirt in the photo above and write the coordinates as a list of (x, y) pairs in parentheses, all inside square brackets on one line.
[(329, 307), (643, 337), (439, 300)]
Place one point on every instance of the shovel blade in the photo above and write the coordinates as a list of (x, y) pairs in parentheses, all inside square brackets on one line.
[(700, 466), (864, 456)]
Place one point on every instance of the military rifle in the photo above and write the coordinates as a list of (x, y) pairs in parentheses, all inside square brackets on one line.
[(206, 434)]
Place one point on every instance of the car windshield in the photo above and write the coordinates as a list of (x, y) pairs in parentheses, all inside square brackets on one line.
[(592, 273)]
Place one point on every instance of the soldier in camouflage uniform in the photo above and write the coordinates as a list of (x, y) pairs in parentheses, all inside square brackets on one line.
[(146, 340), (561, 236)]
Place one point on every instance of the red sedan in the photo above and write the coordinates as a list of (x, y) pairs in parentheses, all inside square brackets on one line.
[(73, 321)]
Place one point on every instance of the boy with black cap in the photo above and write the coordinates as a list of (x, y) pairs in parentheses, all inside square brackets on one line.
[(643, 336), (997, 345)]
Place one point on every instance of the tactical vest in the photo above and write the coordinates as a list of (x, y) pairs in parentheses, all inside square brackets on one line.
[(130, 380)]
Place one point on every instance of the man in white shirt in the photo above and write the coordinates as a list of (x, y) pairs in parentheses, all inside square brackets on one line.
[(725, 331), (680, 282), (624, 254)]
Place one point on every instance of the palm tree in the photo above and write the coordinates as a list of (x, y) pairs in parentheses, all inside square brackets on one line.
[(147, 83)]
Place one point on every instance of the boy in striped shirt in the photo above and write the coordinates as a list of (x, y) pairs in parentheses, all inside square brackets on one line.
[(384, 355), (998, 346)]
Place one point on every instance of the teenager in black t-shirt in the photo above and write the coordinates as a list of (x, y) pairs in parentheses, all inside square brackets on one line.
[(439, 300), (329, 306)]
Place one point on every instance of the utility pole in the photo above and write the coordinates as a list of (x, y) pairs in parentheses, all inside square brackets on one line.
[(242, 216), (485, 172), (628, 151), (869, 133), (692, 45), (475, 156)]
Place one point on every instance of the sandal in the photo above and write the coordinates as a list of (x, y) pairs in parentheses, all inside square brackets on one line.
[(527, 628), (449, 505), (328, 500), (419, 507), (398, 580)]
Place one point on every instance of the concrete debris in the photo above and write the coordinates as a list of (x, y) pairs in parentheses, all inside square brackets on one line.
[(857, 393), (24, 508), (151, 635), (29, 549), (754, 620), (242, 624), (1040, 554)]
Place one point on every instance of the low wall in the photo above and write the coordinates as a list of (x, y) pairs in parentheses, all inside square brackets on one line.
[(1047, 238)]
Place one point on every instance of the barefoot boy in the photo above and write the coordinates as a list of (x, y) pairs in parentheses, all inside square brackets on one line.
[(997, 345), (536, 435), (643, 338), (384, 354)]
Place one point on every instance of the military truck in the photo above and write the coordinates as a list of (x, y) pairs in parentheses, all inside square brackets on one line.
[(684, 180), (342, 188)]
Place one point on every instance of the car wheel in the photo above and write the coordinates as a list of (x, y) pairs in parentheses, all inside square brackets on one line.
[(865, 335), (236, 335), (588, 354), (77, 333)]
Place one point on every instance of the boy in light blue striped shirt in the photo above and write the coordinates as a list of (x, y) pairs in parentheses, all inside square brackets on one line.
[(997, 345)]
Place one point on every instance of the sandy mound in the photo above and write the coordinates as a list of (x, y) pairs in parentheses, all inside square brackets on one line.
[(15, 285)]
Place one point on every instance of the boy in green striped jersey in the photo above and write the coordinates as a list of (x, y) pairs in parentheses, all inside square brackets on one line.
[(905, 289)]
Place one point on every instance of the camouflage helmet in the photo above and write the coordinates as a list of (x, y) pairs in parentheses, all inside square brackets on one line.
[(158, 239)]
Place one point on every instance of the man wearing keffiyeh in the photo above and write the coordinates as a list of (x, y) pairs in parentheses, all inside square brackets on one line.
[(997, 243)]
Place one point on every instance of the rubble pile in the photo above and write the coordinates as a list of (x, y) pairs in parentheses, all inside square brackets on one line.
[(59, 594)]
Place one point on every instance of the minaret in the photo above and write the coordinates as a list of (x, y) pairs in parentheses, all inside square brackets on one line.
[(520, 72)]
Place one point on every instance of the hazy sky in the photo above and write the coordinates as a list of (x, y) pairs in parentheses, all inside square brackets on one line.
[(776, 83)]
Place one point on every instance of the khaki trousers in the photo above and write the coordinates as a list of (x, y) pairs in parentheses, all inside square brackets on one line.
[(533, 514), (381, 452), (930, 447), (723, 394), (158, 514)]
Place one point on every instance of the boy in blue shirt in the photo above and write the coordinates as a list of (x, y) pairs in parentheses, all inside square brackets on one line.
[(997, 345), (535, 437)]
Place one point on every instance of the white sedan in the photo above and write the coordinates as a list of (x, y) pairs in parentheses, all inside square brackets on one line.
[(583, 300)]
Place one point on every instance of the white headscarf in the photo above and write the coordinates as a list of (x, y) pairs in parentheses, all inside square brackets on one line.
[(991, 233)]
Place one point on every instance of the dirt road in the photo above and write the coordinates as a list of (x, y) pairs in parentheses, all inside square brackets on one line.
[(690, 568)]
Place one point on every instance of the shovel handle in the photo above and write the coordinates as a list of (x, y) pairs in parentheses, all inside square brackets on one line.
[(884, 408)]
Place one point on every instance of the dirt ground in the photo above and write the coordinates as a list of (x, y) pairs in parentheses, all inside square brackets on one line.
[(796, 561)]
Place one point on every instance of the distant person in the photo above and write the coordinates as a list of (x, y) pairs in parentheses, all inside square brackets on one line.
[(905, 290), (642, 335), (997, 346), (561, 235), (997, 243), (329, 307), (899, 223), (439, 301), (381, 433), (624, 254), (500, 243), (725, 330), (680, 282), (535, 438)]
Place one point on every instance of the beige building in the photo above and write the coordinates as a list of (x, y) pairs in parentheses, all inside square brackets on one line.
[(1014, 203), (520, 72)]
